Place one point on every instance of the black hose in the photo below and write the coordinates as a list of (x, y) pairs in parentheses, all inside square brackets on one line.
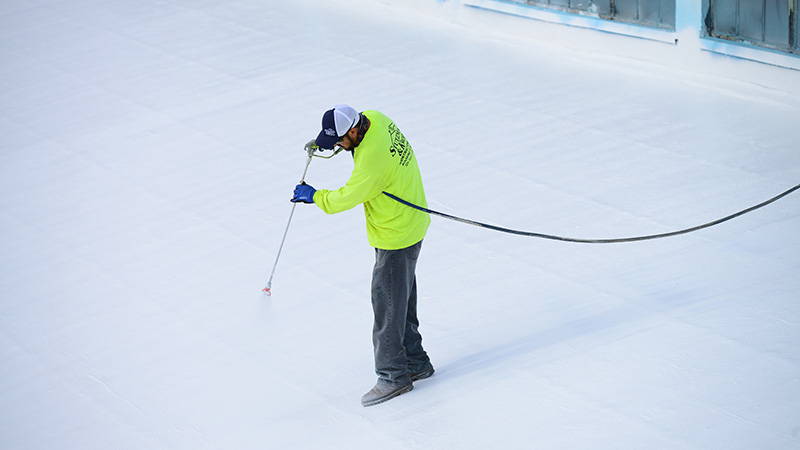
[(595, 241)]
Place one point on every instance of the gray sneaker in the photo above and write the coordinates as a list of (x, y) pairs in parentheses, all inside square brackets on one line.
[(384, 391), (422, 374)]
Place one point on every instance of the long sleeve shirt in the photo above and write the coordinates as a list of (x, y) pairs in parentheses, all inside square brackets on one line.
[(383, 161)]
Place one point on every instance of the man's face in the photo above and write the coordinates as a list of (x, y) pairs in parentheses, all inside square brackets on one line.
[(348, 140)]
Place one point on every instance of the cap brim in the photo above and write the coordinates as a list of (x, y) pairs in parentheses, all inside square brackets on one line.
[(326, 142)]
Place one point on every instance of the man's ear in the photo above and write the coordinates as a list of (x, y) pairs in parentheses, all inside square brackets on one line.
[(353, 133)]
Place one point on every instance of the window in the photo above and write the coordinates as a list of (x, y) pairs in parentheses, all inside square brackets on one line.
[(653, 13), (766, 23)]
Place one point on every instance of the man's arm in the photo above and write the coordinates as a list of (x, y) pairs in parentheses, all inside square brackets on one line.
[(365, 183)]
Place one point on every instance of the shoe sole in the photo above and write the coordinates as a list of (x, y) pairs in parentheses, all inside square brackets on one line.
[(423, 375), (394, 394)]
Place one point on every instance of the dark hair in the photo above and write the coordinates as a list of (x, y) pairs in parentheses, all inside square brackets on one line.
[(363, 126)]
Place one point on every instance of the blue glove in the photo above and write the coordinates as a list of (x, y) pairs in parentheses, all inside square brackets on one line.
[(303, 193)]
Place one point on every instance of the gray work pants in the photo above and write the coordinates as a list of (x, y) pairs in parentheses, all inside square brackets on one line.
[(395, 335)]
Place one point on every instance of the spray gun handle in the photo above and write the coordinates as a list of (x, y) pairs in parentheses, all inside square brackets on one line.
[(315, 151), (311, 147)]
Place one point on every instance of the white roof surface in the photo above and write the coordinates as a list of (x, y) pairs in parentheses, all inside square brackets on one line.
[(148, 150)]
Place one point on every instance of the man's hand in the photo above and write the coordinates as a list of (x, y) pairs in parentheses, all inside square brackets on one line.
[(303, 193)]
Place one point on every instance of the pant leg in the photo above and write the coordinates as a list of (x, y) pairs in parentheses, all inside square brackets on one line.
[(418, 359), (392, 282)]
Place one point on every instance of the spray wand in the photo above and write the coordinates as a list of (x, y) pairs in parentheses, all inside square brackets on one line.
[(312, 151)]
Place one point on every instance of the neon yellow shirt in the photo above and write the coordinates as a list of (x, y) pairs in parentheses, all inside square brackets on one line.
[(384, 161)]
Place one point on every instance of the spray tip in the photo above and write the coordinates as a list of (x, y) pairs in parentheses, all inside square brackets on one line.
[(267, 291)]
